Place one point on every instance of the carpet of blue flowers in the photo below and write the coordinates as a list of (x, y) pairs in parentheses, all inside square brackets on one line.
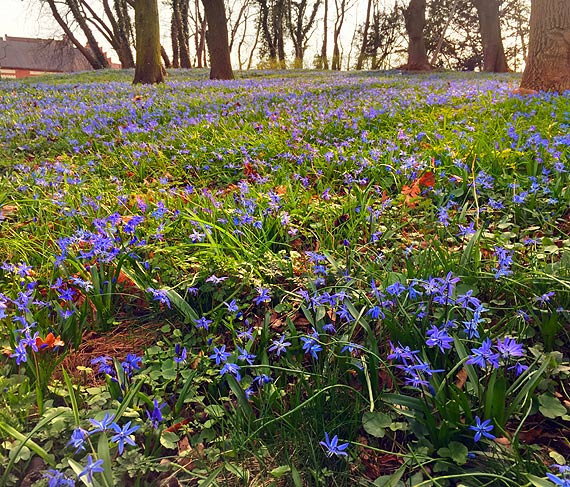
[(313, 279)]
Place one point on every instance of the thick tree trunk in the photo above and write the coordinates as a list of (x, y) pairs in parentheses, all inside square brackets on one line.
[(494, 59), (148, 69), (548, 62), (217, 38), (415, 19)]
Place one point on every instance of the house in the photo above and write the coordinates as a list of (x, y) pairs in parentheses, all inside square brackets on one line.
[(22, 56)]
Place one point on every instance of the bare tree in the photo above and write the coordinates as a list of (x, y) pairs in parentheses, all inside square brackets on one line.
[(322, 60), (300, 26), (94, 58), (271, 24), (548, 61), (362, 53), (341, 7)]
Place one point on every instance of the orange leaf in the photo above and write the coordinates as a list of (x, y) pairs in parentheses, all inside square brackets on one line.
[(427, 179)]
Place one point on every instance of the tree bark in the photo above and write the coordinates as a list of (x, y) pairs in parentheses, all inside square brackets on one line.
[(362, 54), (340, 14), (415, 20), (548, 62), (148, 69), (217, 39), (323, 62), (494, 59)]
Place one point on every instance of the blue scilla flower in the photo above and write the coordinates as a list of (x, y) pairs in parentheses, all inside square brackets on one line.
[(56, 478), (155, 416), (220, 355), (311, 346), (264, 296), (279, 346), (332, 447), (482, 428), (102, 425), (91, 468), (123, 435), (439, 338), (564, 470), (78, 438), (484, 355)]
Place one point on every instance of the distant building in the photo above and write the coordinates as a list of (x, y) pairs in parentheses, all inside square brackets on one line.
[(22, 56)]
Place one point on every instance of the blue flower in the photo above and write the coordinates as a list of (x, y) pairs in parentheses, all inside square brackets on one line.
[(232, 306), (123, 435), (484, 356), (564, 470), (220, 355), (439, 338), (78, 438), (264, 296), (230, 368), (245, 355), (159, 295), (279, 346), (508, 348), (91, 468), (311, 346), (102, 425), (155, 417), (56, 478), (180, 354), (20, 353), (332, 447), (202, 323), (482, 429), (132, 363)]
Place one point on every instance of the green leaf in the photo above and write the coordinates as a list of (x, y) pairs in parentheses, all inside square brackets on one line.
[(215, 411), (456, 451), (169, 440), (280, 471), (104, 454), (550, 407), (538, 482), (375, 423)]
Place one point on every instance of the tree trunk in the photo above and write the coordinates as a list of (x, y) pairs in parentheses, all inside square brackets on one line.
[(415, 19), (217, 38), (362, 54), (323, 62), (494, 60), (148, 69), (340, 13), (548, 62)]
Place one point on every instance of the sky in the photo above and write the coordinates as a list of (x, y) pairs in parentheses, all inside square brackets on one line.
[(21, 18)]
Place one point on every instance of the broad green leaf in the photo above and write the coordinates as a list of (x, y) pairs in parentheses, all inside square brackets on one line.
[(550, 407), (456, 451), (280, 471), (375, 423), (169, 440)]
